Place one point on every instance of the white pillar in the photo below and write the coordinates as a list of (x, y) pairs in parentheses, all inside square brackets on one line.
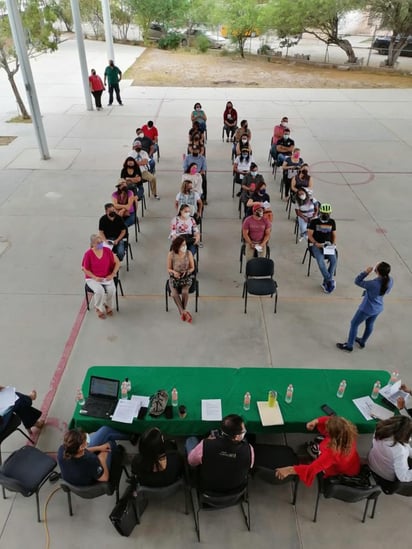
[(82, 53), (108, 29)]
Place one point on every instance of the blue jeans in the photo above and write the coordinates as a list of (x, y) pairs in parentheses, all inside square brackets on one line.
[(356, 321), (327, 272), (107, 434), (129, 221), (119, 249)]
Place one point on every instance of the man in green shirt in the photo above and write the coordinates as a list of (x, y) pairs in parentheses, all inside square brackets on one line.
[(112, 76)]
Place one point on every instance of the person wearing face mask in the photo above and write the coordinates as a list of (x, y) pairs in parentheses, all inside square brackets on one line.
[(307, 209), (184, 225), (256, 232), (243, 130), (302, 180), (112, 230), (188, 196), (224, 458), (241, 166), (191, 174), (249, 183), (100, 266), (291, 166), (229, 121), (198, 115), (196, 142), (96, 88), (133, 176), (243, 143), (144, 162), (147, 143), (258, 195), (196, 158), (278, 131), (124, 203), (284, 147), (371, 306), (180, 266), (112, 76), (322, 231)]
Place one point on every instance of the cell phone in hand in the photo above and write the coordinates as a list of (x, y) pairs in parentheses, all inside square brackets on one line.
[(328, 410)]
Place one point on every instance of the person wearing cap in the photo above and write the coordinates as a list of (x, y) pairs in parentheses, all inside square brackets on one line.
[(143, 160), (256, 232), (321, 232), (112, 76), (224, 458)]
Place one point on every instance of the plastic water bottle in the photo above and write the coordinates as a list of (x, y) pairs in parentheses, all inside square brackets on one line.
[(375, 390), (394, 377), (289, 394), (341, 389), (129, 386), (246, 401), (175, 397), (272, 398), (123, 389), (80, 397)]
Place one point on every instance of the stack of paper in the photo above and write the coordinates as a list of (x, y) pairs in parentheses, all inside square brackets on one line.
[(212, 409), (270, 415), (393, 392), (371, 410), (127, 410)]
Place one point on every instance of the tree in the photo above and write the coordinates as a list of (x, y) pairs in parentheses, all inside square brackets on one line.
[(242, 19), (122, 16), (63, 11), (166, 12), (91, 12), (320, 18), (41, 37), (395, 15)]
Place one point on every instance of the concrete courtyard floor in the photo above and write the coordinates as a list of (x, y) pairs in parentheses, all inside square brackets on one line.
[(359, 146)]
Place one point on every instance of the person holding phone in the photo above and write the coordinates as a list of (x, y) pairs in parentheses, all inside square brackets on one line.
[(338, 454)]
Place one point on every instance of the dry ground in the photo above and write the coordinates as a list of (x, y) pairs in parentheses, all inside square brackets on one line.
[(213, 69)]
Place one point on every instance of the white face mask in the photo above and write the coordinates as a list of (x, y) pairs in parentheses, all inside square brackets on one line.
[(284, 124), (185, 215), (183, 248)]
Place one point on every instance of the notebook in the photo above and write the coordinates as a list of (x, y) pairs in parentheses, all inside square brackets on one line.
[(103, 397)]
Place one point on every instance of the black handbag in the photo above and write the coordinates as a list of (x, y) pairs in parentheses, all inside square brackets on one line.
[(127, 512)]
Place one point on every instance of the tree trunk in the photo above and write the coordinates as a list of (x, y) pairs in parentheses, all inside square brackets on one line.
[(24, 112), (394, 50), (241, 47), (346, 46)]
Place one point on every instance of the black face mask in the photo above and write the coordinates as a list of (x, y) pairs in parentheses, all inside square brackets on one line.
[(195, 154), (324, 218), (112, 215)]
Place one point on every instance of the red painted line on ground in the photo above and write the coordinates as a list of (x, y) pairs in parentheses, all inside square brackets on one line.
[(59, 371)]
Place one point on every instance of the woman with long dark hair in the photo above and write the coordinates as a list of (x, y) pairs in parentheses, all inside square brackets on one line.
[(371, 306), (390, 455)]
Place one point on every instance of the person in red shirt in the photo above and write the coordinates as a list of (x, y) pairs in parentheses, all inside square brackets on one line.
[(150, 131), (256, 232), (278, 134), (96, 87), (337, 451)]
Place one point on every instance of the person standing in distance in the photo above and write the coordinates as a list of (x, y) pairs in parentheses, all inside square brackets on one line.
[(322, 231), (96, 88), (371, 306), (112, 76)]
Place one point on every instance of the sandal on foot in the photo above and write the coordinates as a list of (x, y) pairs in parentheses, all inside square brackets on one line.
[(183, 316), (109, 312), (100, 314), (188, 317)]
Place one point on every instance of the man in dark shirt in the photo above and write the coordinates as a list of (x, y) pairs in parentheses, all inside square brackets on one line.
[(112, 229), (112, 76), (321, 233), (284, 147)]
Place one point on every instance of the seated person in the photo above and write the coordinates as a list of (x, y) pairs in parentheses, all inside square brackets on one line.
[(196, 142), (198, 115), (249, 182), (278, 131), (322, 230), (404, 404), (258, 195), (158, 462), (188, 196), (112, 230), (256, 232), (23, 408), (243, 143), (147, 145), (196, 158), (100, 266), (338, 454), (241, 166), (224, 458), (143, 160), (242, 130), (391, 453), (229, 121), (133, 176), (195, 130), (307, 208), (124, 203), (291, 166), (85, 460), (302, 179), (180, 266), (191, 174), (184, 224), (150, 131), (284, 147)]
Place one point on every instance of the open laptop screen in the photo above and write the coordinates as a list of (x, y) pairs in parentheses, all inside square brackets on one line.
[(102, 386)]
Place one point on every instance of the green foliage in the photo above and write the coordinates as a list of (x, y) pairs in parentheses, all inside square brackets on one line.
[(202, 43), (63, 11), (122, 16), (91, 12), (170, 42), (165, 12)]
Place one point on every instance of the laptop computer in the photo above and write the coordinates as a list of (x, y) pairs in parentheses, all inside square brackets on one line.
[(103, 397)]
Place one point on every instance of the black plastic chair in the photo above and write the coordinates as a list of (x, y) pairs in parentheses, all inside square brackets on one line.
[(12, 426), (269, 457), (332, 488), (208, 501), (259, 279), (117, 283), (164, 492), (25, 471), (309, 251), (243, 252), (194, 288)]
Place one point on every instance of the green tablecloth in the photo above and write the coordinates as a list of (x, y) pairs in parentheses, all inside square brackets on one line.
[(312, 388)]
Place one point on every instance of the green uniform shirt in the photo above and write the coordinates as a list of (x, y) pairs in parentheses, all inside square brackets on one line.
[(113, 74)]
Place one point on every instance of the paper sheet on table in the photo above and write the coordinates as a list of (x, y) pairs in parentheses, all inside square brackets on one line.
[(270, 415), (125, 411), (329, 250), (393, 392), (7, 398), (140, 402), (211, 409), (371, 410)]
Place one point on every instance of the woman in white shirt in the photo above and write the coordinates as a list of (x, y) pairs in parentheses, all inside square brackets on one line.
[(390, 455)]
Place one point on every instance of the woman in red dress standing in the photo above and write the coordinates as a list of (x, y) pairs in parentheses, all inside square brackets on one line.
[(96, 87)]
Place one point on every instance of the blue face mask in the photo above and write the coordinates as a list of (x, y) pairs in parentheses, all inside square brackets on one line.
[(99, 246)]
